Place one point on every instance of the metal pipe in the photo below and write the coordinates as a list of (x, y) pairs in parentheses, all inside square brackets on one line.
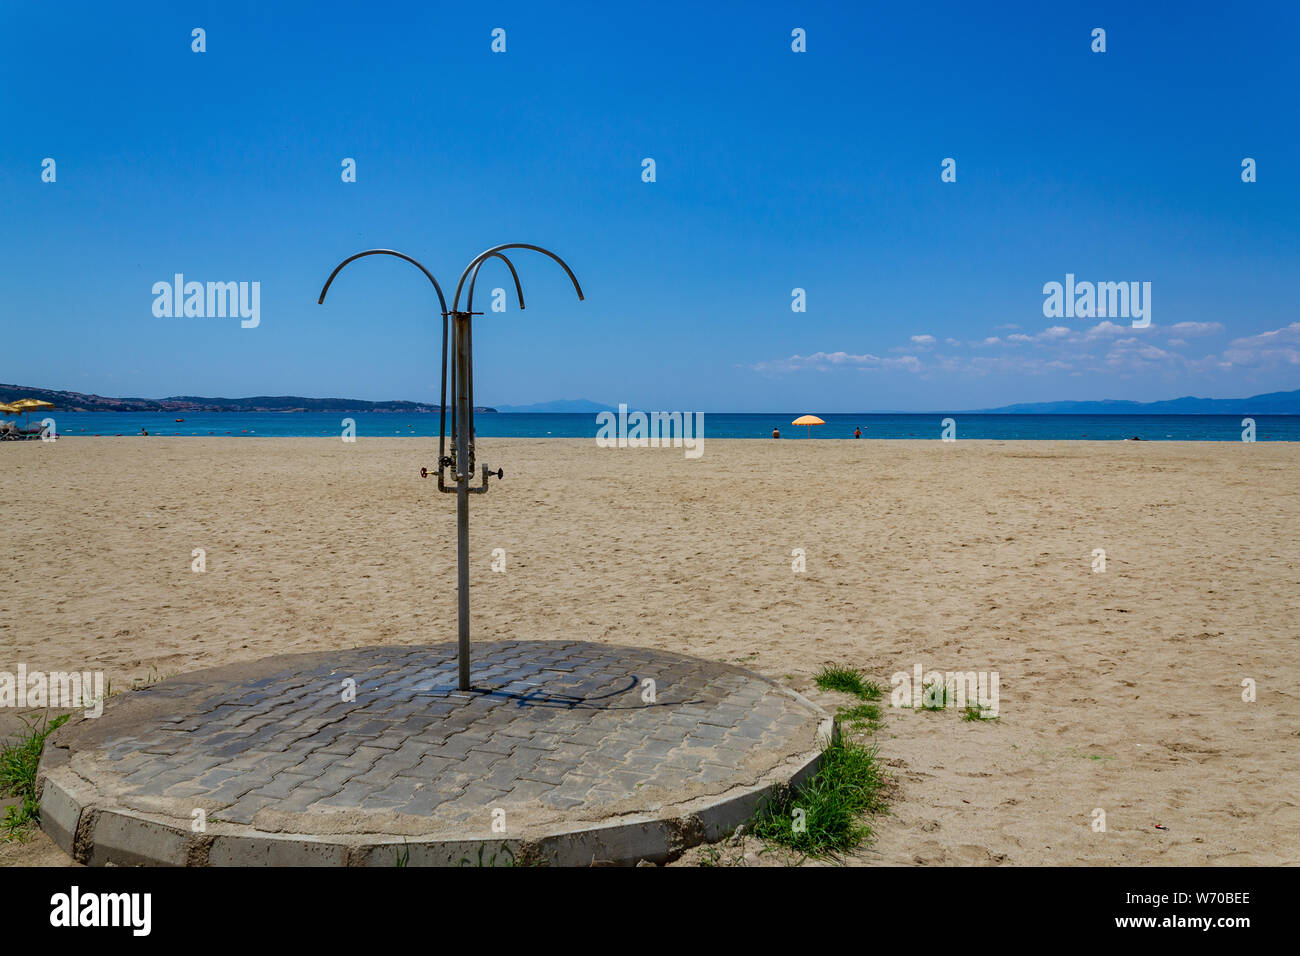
[(464, 471), (442, 301), (458, 325), (513, 245), (471, 438), (384, 252), (442, 407), (519, 289)]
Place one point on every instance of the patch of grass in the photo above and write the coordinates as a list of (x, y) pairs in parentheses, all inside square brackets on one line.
[(138, 683), (976, 712), (18, 762), (824, 814), (709, 855), (502, 857), (862, 717), (847, 680), (935, 697)]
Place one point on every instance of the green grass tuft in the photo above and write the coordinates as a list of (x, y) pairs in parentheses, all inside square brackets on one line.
[(18, 762), (976, 712), (861, 717), (501, 857), (934, 697), (847, 680), (833, 802)]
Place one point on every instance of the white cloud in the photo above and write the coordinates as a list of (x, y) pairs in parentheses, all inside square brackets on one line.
[(1196, 328), (1279, 346), (1133, 355), (824, 361), (1289, 334), (1059, 349), (1107, 328)]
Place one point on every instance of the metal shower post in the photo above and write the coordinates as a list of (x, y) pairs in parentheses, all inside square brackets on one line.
[(461, 460)]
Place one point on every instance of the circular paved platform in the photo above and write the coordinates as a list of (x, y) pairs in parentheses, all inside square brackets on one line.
[(566, 753)]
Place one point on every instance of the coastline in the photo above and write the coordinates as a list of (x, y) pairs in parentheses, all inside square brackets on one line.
[(713, 426)]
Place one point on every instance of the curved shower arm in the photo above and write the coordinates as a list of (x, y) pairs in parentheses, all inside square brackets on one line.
[(519, 289), (513, 245), (442, 300)]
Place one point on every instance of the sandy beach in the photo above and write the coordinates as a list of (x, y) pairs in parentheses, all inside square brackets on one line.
[(1120, 691)]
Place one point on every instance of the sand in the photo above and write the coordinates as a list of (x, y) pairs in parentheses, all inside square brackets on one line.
[(1119, 691)]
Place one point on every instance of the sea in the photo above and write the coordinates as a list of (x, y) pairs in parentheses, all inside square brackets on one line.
[(929, 426)]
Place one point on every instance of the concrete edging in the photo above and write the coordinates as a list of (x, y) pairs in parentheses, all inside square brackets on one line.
[(87, 825), (98, 836)]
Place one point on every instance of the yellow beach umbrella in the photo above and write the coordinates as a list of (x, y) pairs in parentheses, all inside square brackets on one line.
[(809, 420), (8, 409), (27, 405)]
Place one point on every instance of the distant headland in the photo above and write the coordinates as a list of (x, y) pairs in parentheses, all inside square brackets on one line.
[(81, 402), (1271, 403)]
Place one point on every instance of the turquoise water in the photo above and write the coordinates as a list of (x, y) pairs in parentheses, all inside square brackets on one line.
[(719, 425)]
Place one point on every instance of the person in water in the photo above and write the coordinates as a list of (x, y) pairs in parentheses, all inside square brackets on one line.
[(857, 433), (776, 432)]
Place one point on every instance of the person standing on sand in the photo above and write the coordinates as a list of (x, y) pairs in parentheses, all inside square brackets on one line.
[(857, 433)]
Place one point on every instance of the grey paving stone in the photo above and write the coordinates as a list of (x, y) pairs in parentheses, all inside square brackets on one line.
[(301, 798), (283, 784), (245, 808), (425, 802), (553, 727)]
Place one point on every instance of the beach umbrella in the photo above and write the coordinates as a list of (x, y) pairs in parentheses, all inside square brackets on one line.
[(28, 405), (809, 420), (8, 409)]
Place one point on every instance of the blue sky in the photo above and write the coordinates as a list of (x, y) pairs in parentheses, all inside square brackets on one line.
[(775, 170)]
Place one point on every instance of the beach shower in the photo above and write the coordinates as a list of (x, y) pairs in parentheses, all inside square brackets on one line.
[(461, 460)]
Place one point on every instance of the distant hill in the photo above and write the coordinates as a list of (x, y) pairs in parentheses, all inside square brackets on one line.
[(80, 402), (572, 405), (1271, 403)]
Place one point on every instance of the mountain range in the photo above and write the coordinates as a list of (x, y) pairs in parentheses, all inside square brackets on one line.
[(81, 402), (579, 406), (1270, 403)]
